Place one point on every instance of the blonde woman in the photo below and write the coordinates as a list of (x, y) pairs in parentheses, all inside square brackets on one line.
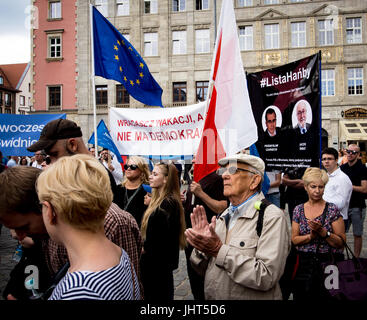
[(75, 194), (317, 227), (162, 228), (131, 192)]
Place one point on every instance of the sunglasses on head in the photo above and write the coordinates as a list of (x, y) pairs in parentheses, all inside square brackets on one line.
[(352, 152), (131, 166)]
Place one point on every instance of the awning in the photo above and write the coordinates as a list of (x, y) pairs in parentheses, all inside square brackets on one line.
[(353, 130)]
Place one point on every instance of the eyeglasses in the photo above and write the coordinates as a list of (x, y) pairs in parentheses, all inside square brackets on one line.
[(327, 159), (352, 152), (131, 166), (232, 170)]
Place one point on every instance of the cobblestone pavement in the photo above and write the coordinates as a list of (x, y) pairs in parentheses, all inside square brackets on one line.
[(181, 281)]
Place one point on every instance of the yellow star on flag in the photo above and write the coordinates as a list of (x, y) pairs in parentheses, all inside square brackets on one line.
[(137, 81), (131, 49), (115, 48), (120, 69), (125, 78), (116, 57), (141, 74), (119, 43), (131, 82), (141, 65)]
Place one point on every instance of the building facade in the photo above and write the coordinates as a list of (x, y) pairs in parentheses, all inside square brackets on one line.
[(15, 88), (54, 60), (176, 39)]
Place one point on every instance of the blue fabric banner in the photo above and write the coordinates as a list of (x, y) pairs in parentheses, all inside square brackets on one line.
[(104, 140), (115, 58), (17, 132)]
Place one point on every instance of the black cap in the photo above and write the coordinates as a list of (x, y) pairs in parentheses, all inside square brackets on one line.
[(56, 130)]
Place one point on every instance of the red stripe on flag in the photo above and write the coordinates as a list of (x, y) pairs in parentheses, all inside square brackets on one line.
[(210, 148)]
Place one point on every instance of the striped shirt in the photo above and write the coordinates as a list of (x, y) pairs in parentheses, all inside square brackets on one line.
[(120, 227), (116, 283)]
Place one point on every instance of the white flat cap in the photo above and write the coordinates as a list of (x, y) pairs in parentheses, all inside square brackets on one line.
[(252, 161)]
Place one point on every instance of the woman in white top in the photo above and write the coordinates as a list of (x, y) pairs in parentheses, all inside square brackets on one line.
[(75, 194)]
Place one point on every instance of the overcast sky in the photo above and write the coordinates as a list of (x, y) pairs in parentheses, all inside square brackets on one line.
[(14, 31)]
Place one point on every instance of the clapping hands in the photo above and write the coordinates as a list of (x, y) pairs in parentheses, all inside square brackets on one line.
[(202, 235)]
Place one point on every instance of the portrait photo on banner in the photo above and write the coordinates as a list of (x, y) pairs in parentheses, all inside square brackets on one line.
[(286, 105)]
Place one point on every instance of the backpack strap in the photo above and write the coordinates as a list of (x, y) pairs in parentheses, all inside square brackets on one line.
[(259, 226)]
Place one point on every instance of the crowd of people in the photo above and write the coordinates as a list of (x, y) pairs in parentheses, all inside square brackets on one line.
[(98, 229)]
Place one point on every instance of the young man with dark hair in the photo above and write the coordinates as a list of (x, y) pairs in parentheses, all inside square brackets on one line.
[(339, 188)]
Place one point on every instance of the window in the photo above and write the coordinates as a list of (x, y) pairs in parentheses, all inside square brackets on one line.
[(179, 42), (151, 44), (298, 30), (102, 7), (54, 10), (327, 83), (179, 92), (271, 36), (201, 90), (22, 100), (297, 0), (271, 1), (244, 3), (178, 5), (1, 80), (202, 4), (150, 6), (122, 96), (355, 81), (326, 32), (122, 8), (202, 44), (246, 38), (54, 46), (101, 95), (54, 97), (7, 99), (354, 30)]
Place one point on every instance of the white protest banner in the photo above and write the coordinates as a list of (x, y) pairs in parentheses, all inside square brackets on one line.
[(157, 131)]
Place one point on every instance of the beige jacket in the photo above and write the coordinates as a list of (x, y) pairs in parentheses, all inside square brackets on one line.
[(247, 267)]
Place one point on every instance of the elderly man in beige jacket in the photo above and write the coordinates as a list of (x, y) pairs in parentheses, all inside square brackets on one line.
[(238, 264)]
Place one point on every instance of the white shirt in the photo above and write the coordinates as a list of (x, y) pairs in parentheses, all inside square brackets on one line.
[(36, 165), (271, 175), (338, 190), (117, 172)]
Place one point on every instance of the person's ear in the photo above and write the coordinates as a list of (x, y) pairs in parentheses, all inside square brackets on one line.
[(50, 213), (256, 180), (72, 145)]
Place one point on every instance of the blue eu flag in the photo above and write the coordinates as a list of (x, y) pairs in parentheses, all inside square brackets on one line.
[(104, 140), (115, 58)]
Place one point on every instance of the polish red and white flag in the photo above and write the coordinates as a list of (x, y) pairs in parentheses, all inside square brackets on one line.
[(229, 124)]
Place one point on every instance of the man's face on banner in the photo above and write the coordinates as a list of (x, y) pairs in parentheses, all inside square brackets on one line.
[(301, 114), (271, 122)]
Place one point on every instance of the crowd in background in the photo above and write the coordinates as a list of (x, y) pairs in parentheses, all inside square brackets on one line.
[(82, 200)]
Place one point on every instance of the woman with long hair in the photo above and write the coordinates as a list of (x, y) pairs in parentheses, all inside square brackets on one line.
[(131, 192), (163, 226), (317, 228)]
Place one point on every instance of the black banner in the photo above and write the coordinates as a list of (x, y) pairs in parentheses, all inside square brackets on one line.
[(286, 106)]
